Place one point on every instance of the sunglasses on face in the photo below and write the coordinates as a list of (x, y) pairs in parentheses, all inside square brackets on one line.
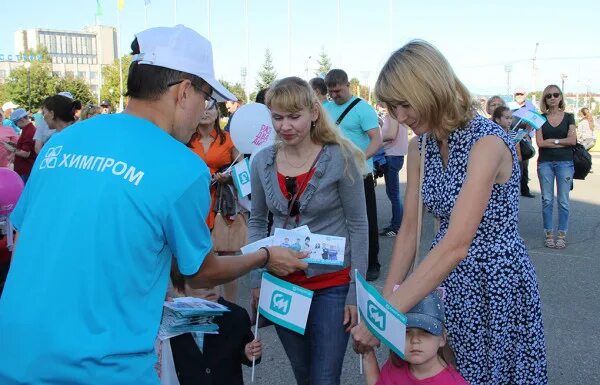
[(552, 95), (290, 186), (519, 94)]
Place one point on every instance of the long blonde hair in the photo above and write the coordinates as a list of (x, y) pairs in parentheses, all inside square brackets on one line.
[(294, 94), (420, 75)]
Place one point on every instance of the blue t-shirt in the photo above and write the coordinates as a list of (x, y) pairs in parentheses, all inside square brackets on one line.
[(360, 119), (11, 124), (110, 200)]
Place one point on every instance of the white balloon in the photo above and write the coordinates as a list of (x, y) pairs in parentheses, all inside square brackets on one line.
[(251, 128)]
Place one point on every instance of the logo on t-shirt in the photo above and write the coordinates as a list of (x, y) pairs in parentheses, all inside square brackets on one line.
[(51, 157), (55, 157)]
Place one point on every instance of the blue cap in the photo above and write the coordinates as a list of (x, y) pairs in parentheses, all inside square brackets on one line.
[(428, 314), (17, 114)]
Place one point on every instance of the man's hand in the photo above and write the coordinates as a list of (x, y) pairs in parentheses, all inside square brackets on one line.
[(363, 339), (253, 349), (350, 317), (285, 261)]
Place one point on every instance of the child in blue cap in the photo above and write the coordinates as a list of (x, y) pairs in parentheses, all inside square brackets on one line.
[(427, 355)]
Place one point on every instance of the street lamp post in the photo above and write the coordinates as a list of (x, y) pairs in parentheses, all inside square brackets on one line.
[(28, 67), (562, 81)]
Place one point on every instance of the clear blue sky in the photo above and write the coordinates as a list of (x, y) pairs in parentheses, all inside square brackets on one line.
[(478, 37)]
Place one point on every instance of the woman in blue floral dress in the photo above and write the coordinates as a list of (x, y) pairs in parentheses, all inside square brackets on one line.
[(471, 182)]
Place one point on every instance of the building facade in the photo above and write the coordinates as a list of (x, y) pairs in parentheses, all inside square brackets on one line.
[(80, 54)]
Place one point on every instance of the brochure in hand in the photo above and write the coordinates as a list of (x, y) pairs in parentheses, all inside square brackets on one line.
[(189, 314), (324, 249)]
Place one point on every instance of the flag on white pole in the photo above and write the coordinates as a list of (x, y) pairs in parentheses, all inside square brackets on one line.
[(381, 318), (241, 178), (283, 303)]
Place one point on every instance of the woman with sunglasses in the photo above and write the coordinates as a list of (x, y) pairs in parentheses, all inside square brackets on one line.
[(555, 140), (216, 148), (312, 176)]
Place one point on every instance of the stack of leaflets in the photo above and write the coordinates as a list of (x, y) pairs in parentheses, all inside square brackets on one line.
[(324, 249), (189, 314)]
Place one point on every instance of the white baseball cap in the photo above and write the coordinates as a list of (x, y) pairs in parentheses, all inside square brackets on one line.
[(182, 49), (9, 105), (67, 94)]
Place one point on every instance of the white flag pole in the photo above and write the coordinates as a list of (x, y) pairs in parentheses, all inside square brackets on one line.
[(255, 337), (360, 364)]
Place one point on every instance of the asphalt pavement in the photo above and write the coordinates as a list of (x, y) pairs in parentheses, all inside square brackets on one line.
[(568, 281)]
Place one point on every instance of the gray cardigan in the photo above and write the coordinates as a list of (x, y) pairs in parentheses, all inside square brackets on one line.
[(332, 204)]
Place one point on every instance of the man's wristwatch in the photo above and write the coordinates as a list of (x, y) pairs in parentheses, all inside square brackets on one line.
[(556, 141)]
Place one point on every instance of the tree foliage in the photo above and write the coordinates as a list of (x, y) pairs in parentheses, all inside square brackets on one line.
[(77, 87), (324, 63), (28, 88), (110, 80), (236, 89), (267, 73)]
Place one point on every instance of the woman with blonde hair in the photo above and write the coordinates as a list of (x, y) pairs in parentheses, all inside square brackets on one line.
[(555, 141), (312, 176), (471, 183)]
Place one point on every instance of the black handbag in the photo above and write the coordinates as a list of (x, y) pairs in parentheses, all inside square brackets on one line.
[(582, 161), (527, 149)]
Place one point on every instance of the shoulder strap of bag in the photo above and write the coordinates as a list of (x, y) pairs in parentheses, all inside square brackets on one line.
[(297, 194), (343, 115), (417, 258)]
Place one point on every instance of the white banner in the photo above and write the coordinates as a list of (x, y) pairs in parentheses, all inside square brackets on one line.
[(382, 319), (283, 303)]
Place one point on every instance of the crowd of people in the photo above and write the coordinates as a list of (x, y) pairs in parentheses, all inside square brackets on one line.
[(122, 211)]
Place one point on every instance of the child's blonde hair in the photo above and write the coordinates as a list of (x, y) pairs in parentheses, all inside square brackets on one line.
[(294, 94)]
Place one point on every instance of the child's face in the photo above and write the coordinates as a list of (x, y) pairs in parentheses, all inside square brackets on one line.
[(421, 346), (506, 120)]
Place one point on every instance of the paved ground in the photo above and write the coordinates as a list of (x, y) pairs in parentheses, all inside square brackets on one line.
[(568, 282)]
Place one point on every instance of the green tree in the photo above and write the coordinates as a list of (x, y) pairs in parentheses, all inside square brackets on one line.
[(110, 80), (29, 87), (236, 89), (77, 87), (39, 51), (3, 93), (267, 73), (324, 63)]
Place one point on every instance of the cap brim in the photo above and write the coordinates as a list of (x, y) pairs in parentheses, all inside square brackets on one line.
[(220, 93), (424, 322)]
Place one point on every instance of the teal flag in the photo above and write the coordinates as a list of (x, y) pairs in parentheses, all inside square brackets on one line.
[(98, 8)]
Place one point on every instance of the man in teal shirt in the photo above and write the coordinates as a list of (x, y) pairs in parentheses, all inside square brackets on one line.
[(101, 219), (361, 126)]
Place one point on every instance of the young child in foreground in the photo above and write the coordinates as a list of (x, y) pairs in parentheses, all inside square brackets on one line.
[(425, 349), (214, 358)]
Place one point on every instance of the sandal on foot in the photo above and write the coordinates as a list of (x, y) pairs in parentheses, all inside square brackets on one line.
[(549, 242), (561, 240)]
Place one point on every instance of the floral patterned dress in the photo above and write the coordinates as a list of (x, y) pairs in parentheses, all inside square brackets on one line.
[(493, 311)]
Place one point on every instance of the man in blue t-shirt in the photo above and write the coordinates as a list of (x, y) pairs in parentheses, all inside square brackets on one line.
[(110, 202), (361, 126)]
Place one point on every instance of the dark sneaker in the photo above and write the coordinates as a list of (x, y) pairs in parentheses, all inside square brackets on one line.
[(373, 273), (387, 232)]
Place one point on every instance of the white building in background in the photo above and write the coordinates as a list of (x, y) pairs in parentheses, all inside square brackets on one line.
[(78, 53)]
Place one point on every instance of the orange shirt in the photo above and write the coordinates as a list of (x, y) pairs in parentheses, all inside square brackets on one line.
[(217, 156)]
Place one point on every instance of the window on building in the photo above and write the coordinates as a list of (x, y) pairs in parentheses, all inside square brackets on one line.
[(57, 73), (81, 74), (2, 73), (69, 74), (93, 75)]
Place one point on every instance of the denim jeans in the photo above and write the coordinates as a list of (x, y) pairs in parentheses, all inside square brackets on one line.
[(392, 188), (563, 173), (318, 355)]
